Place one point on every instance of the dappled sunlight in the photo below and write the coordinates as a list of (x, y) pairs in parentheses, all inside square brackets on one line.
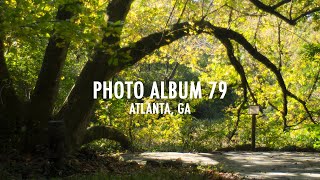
[(311, 175), (188, 158), (292, 165), (261, 165)]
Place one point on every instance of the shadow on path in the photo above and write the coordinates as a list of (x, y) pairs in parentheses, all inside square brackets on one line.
[(251, 165)]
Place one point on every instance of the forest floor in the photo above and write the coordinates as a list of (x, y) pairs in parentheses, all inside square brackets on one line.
[(90, 164), (93, 165), (248, 165)]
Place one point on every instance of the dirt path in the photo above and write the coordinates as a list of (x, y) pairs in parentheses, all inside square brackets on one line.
[(250, 165)]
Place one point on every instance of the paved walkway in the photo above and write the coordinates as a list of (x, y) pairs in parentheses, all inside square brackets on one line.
[(250, 165)]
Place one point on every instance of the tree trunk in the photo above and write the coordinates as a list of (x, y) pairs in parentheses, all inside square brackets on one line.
[(10, 106), (79, 106), (76, 112), (41, 104)]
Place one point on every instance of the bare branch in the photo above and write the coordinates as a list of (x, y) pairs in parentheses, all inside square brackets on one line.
[(243, 12), (182, 12), (208, 10), (170, 16), (237, 65)]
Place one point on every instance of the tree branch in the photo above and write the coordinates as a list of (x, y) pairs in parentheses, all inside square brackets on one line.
[(274, 107), (79, 104), (239, 109), (245, 85), (237, 65), (304, 104), (317, 9), (105, 132), (117, 12), (227, 33), (148, 44), (182, 12), (173, 72), (314, 86), (239, 68), (272, 10), (280, 4)]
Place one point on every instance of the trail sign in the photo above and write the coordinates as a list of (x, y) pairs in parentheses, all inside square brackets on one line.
[(253, 110)]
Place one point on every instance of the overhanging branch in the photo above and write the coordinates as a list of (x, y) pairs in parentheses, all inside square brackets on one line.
[(237, 65), (105, 132), (148, 44), (245, 85), (227, 33)]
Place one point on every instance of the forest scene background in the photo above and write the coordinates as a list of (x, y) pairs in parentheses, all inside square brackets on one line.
[(267, 51)]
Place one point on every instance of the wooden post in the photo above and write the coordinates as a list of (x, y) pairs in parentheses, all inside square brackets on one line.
[(253, 132), (56, 142), (253, 110)]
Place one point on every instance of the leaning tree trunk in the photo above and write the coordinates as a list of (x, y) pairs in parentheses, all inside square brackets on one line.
[(11, 114), (40, 107), (79, 106)]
